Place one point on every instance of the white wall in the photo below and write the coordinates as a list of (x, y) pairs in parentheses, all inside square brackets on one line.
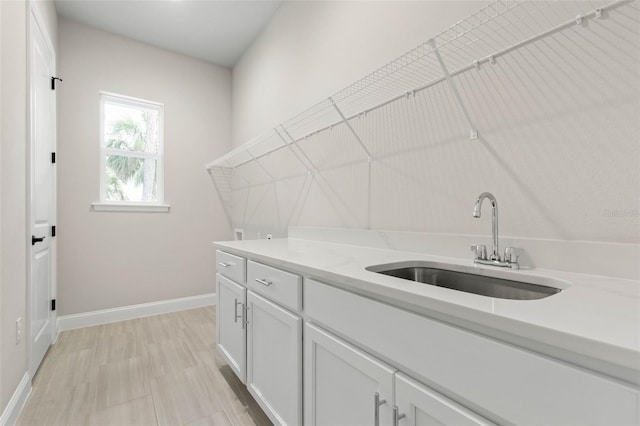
[(107, 259), (311, 49), (13, 225), (558, 122)]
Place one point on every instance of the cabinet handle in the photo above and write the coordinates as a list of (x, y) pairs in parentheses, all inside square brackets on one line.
[(263, 282), (235, 312), (376, 408), (397, 416), (223, 264), (245, 316)]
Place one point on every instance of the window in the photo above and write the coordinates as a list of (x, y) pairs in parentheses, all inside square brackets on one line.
[(131, 152)]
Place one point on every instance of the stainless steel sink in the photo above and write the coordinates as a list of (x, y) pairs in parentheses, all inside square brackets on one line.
[(467, 282)]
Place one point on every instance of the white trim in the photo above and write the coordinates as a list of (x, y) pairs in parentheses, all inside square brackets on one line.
[(128, 207), (16, 403), (130, 99), (105, 316), (133, 154), (43, 28)]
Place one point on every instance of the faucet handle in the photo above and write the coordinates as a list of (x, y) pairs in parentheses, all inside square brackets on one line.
[(480, 251), (512, 254)]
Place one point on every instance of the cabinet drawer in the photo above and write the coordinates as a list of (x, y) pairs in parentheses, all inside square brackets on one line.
[(519, 386), (231, 266), (279, 286)]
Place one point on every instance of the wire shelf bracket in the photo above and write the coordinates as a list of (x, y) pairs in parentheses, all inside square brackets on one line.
[(312, 169), (288, 145), (259, 163), (473, 133), (351, 129)]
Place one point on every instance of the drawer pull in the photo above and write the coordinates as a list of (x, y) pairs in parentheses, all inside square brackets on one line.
[(224, 265), (263, 282), (376, 408)]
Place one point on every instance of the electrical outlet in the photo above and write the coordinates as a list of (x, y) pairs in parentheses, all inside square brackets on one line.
[(18, 330)]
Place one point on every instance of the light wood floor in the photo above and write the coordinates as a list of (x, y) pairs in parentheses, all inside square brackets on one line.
[(160, 370)]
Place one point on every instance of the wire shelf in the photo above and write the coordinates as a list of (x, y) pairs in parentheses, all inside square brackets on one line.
[(477, 41)]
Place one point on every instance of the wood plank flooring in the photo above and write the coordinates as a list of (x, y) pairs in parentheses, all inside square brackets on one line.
[(160, 370)]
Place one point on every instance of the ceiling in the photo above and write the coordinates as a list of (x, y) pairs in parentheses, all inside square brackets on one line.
[(217, 31)]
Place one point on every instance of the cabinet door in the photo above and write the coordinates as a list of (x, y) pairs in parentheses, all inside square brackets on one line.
[(231, 336), (343, 385), (420, 406), (274, 360)]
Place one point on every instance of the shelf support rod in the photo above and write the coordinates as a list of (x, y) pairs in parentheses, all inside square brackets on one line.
[(345, 121), (473, 134), (284, 141), (369, 160), (259, 163), (313, 169)]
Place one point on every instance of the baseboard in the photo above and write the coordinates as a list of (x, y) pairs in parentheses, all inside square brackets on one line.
[(14, 407), (105, 316)]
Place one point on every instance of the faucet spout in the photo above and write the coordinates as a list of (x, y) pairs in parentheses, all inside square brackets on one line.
[(495, 255)]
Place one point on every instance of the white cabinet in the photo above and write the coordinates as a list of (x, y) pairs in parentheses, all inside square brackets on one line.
[(418, 405), (274, 359), (346, 386), (231, 337), (343, 385), (515, 385), (260, 314), (260, 340)]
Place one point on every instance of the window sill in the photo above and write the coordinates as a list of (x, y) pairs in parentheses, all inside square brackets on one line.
[(115, 207)]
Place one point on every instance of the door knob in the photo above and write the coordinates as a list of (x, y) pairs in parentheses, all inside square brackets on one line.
[(35, 240)]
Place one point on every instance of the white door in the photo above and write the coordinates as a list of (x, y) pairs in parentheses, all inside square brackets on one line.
[(274, 359), (231, 336), (41, 321), (418, 405), (343, 385)]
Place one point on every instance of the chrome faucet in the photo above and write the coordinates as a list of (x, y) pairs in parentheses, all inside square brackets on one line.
[(495, 255), (511, 254)]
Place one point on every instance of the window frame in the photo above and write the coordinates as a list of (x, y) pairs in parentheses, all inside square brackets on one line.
[(123, 205)]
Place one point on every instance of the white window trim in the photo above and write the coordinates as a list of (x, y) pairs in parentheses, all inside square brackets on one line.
[(133, 206), (130, 207)]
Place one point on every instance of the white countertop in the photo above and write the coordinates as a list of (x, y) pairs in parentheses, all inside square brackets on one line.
[(594, 317)]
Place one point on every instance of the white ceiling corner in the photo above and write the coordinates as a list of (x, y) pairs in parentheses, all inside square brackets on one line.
[(217, 31)]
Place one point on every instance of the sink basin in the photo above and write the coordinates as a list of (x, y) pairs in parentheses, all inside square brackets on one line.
[(468, 282)]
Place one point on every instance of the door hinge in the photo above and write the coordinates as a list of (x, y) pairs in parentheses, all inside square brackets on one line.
[(53, 231), (53, 82), (53, 304), (53, 157)]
